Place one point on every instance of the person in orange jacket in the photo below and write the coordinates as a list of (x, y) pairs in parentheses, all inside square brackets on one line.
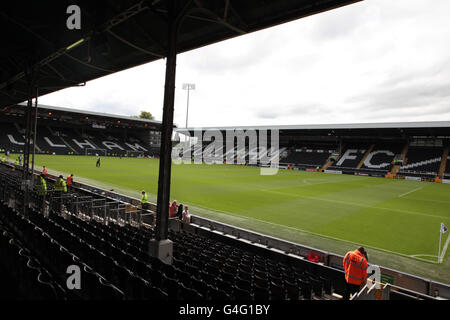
[(70, 182), (355, 268)]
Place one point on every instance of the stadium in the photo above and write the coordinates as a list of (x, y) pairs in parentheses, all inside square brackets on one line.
[(273, 209)]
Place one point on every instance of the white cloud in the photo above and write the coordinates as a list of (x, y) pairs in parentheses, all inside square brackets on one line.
[(334, 67)]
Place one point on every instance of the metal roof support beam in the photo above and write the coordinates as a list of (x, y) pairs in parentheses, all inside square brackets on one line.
[(89, 65), (218, 19), (134, 46), (161, 247)]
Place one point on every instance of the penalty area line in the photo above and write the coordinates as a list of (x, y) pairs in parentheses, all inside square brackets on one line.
[(411, 191), (444, 250)]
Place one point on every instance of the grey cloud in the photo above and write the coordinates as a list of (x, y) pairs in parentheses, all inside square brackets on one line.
[(417, 95), (235, 57), (282, 110)]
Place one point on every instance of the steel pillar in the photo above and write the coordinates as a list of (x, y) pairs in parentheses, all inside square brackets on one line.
[(161, 247)]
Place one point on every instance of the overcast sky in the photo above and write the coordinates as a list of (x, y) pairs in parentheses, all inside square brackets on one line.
[(373, 61)]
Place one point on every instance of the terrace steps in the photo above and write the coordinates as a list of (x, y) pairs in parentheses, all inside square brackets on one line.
[(327, 164), (365, 156), (443, 162), (396, 168)]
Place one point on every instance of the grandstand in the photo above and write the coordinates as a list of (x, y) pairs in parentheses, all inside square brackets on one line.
[(371, 149), (70, 131), (122, 251)]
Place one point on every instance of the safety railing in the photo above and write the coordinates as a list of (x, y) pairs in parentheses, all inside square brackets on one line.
[(85, 204)]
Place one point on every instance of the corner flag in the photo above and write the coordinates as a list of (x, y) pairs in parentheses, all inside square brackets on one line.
[(444, 228)]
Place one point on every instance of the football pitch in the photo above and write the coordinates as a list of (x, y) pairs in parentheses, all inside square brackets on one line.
[(398, 221)]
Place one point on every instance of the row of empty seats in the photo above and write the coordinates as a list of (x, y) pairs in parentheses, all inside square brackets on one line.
[(115, 263)]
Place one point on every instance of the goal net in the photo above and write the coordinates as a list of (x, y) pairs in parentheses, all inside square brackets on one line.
[(134, 154), (95, 152)]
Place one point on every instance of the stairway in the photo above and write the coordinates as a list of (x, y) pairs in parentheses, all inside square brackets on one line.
[(67, 144), (396, 168), (443, 162), (329, 162), (365, 156)]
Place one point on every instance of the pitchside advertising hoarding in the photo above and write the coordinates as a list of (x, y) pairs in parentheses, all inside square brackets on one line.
[(413, 178)]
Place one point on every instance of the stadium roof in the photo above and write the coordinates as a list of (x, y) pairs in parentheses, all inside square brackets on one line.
[(382, 129), (90, 113), (69, 113), (117, 35), (379, 125)]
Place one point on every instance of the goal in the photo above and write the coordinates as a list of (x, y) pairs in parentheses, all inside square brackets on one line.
[(94, 152), (134, 154)]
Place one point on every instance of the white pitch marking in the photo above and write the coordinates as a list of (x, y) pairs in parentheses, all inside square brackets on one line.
[(444, 250), (411, 191)]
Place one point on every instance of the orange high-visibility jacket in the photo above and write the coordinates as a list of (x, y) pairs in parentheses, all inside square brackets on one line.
[(69, 180), (355, 267)]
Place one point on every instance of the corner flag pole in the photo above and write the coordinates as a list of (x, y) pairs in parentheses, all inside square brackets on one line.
[(442, 230)]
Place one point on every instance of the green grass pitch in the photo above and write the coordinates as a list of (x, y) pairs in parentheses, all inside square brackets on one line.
[(397, 220)]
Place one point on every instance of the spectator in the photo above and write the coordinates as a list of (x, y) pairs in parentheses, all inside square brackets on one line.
[(186, 215), (313, 257), (41, 186), (60, 184), (355, 268), (60, 187), (70, 182), (144, 201), (44, 171), (180, 211), (173, 209)]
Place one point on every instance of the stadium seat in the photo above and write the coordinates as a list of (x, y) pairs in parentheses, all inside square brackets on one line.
[(244, 275), (292, 291), (224, 286), (216, 294), (261, 294), (186, 293), (277, 292), (243, 284), (47, 290), (306, 289), (242, 294), (154, 293), (106, 291), (260, 282), (200, 286)]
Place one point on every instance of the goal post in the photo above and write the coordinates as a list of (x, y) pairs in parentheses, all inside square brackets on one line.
[(94, 152)]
